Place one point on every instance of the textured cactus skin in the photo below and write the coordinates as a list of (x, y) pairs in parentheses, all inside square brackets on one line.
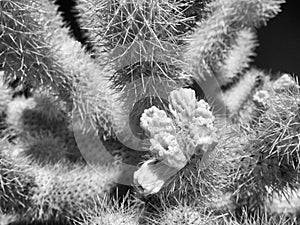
[(15, 182), (213, 37), (53, 191), (63, 191), (273, 162), (239, 93), (43, 126), (27, 59), (238, 58), (69, 192), (142, 36)]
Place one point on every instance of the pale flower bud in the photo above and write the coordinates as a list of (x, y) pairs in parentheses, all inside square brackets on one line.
[(154, 121)]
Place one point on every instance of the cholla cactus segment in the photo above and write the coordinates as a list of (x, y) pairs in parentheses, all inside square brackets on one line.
[(166, 147), (144, 37), (284, 82), (68, 192), (213, 36), (112, 218), (274, 151), (288, 204), (110, 212), (46, 149), (154, 121), (26, 57), (235, 97), (36, 114), (95, 105), (15, 183), (188, 215), (238, 57)]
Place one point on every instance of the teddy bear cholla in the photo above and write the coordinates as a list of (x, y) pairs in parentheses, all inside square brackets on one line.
[(175, 139)]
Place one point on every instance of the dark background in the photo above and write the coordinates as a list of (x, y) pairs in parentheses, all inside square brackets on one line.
[(279, 41)]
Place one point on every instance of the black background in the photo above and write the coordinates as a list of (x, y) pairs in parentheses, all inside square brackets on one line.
[(279, 41)]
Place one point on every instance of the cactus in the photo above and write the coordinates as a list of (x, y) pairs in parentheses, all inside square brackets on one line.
[(43, 127), (38, 114), (47, 149), (273, 162), (53, 191), (192, 215), (16, 184), (94, 103), (190, 133), (70, 17), (112, 213), (69, 192), (213, 37), (242, 91), (5, 96), (238, 57), (25, 55), (141, 38)]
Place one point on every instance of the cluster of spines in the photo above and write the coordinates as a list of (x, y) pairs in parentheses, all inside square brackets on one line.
[(51, 191), (213, 37), (272, 162), (25, 55), (16, 184), (140, 38)]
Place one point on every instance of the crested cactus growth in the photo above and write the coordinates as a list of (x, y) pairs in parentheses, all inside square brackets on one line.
[(190, 132)]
